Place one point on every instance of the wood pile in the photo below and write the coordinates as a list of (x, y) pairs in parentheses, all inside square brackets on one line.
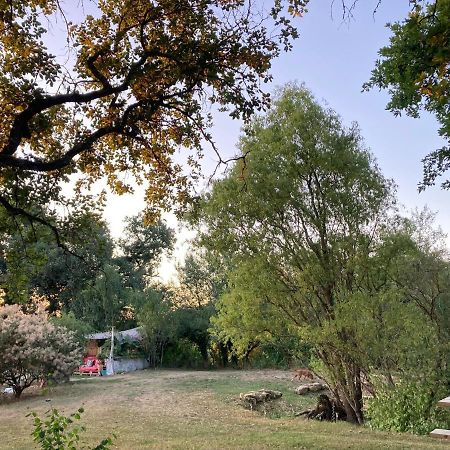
[(327, 409)]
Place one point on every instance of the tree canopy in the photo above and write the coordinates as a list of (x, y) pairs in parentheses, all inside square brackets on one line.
[(415, 69), (299, 220), (33, 262), (141, 248), (131, 90), (132, 85)]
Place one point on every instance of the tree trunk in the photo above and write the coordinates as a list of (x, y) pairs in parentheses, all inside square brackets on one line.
[(345, 381), (223, 351), (18, 391), (350, 394), (249, 350), (351, 416), (162, 354), (202, 344)]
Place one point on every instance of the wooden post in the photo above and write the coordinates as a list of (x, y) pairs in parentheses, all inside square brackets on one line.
[(111, 351)]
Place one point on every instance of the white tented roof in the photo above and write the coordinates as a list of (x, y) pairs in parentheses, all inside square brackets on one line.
[(133, 334)]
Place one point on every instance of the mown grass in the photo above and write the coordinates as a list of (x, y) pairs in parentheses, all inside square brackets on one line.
[(192, 410), (228, 389)]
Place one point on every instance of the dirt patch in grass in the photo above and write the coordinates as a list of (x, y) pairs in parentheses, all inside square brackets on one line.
[(174, 409)]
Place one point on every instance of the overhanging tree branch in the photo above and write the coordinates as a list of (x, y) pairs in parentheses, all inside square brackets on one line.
[(32, 218)]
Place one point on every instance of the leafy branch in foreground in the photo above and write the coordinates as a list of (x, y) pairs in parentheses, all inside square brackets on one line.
[(134, 87), (60, 432)]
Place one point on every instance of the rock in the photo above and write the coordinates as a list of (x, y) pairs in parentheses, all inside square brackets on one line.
[(300, 390), (260, 396), (271, 395), (316, 387), (310, 387)]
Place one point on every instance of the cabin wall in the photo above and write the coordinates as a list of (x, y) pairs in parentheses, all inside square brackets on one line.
[(126, 365)]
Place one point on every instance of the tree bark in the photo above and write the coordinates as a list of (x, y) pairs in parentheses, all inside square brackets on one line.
[(17, 391), (345, 381), (350, 390)]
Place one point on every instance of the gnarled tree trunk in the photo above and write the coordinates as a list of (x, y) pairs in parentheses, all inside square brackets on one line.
[(345, 382)]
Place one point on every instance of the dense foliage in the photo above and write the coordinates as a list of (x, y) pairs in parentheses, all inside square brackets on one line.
[(100, 284), (80, 328), (141, 247), (309, 200), (409, 407), (32, 262), (155, 320), (127, 90)]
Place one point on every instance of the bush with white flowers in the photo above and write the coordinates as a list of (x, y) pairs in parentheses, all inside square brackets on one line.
[(32, 349)]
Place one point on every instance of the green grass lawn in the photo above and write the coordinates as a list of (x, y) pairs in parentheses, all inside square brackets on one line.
[(193, 410)]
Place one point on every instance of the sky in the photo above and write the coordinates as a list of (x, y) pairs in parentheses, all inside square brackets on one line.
[(334, 58)]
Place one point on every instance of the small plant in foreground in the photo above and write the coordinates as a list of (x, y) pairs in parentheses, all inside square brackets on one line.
[(58, 432)]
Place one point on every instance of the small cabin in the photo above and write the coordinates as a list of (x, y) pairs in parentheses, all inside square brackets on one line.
[(127, 351)]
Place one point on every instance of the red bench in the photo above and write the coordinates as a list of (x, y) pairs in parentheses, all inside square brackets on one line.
[(91, 366)]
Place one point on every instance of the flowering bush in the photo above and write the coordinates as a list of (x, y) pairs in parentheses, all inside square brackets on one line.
[(32, 348)]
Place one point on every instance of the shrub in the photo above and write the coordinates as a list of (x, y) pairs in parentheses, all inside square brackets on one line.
[(130, 348), (410, 407), (281, 353), (70, 322), (32, 349), (58, 432), (183, 353)]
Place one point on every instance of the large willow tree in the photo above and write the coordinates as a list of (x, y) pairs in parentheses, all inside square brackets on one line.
[(300, 218)]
